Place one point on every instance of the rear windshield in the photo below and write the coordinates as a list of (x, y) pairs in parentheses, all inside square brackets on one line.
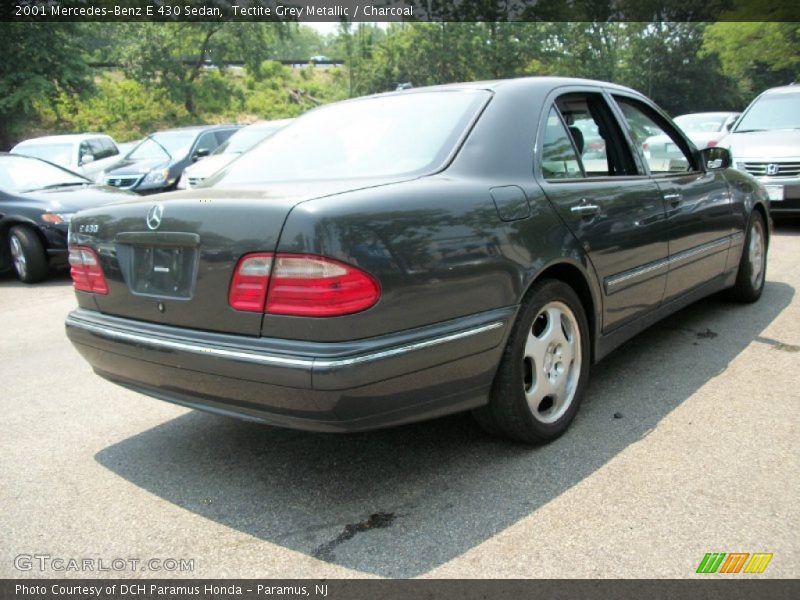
[(60, 154), (701, 123), (23, 174), (244, 139), (402, 134), (772, 111)]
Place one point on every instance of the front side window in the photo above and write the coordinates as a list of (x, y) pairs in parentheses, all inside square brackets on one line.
[(661, 146), (207, 142), (385, 136)]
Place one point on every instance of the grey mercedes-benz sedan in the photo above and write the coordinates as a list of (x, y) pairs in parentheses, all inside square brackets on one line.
[(408, 255)]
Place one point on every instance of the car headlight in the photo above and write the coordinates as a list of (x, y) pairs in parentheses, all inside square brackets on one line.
[(100, 178), (158, 176), (183, 182), (56, 218)]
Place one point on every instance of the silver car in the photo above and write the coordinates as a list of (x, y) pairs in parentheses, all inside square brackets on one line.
[(765, 142), (85, 153)]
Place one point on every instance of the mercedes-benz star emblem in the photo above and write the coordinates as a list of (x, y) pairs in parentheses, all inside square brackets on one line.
[(154, 216), (772, 169)]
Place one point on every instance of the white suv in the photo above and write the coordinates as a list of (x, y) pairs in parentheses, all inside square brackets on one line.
[(765, 142), (85, 153)]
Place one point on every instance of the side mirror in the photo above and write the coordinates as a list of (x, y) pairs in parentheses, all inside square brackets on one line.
[(716, 158), (200, 153), (86, 159)]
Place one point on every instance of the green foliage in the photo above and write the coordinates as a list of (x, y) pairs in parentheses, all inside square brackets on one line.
[(276, 92), (177, 73), (757, 55), (40, 61), (123, 108)]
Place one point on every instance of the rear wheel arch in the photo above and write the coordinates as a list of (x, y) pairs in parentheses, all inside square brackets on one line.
[(758, 206), (572, 275)]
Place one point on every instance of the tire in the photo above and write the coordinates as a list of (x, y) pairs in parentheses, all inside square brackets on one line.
[(28, 257), (753, 264), (544, 369)]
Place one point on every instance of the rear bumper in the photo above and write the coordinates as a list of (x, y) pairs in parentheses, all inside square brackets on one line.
[(342, 386)]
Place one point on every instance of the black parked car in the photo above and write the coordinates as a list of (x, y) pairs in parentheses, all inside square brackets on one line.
[(37, 200), (407, 255), (157, 162)]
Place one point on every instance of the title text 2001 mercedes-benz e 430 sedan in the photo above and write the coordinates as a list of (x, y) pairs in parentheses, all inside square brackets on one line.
[(407, 255)]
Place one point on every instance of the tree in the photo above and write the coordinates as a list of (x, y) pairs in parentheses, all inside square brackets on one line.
[(174, 55), (661, 60), (756, 55), (40, 60)]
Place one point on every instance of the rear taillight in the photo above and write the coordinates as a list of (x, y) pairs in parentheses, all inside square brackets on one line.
[(301, 285), (711, 144), (87, 276), (250, 280)]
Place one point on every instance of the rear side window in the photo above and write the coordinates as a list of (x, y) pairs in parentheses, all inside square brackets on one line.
[(583, 139), (95, 148), (559, 159)]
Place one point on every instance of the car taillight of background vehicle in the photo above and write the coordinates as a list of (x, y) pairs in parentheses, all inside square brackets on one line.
[(300, 285), (87, 276)]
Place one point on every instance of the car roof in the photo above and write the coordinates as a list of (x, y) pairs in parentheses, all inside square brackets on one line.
[(718, 113), (60, 139), (538, 81), (267, 124), (784, 89), (198, 128), (535, 84)]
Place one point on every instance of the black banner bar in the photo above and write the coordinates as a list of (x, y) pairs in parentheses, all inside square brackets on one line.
[(400, 10), (718, 588)]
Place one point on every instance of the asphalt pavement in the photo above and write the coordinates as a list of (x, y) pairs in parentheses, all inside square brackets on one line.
[(687, 443)]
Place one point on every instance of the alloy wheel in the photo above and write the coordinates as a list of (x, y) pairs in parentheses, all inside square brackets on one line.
[(18, 257), (552, 362), (756, 254)]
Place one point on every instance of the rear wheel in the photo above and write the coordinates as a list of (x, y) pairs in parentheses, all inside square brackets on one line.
[(27, 254), (753, 264), (544, 369)]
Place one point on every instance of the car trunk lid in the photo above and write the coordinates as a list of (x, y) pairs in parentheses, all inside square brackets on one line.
[(170, 258)]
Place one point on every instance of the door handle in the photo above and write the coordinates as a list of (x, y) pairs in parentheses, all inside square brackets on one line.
[(674, 199), (584, 209)]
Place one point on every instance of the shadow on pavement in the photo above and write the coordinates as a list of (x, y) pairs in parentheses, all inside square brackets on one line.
[(400, 502)]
